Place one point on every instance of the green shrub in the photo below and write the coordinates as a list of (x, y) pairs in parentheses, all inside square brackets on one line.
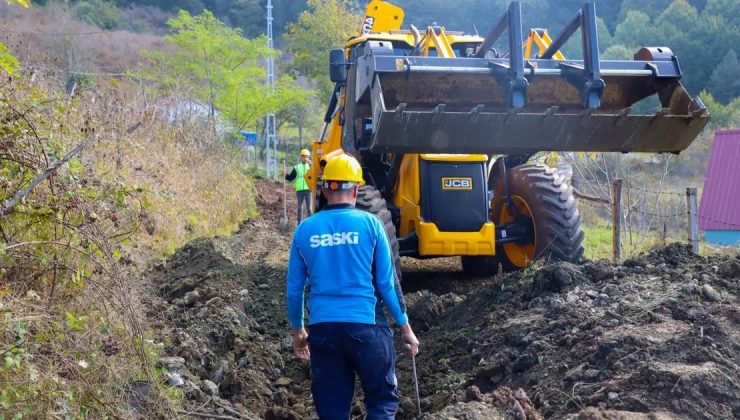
[(99, 13), (8, 62)]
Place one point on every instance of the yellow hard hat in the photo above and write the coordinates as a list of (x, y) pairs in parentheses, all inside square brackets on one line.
[(341, 172), (305, 152)]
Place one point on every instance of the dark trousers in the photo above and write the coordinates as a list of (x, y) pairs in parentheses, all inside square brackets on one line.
[(341, 350), (301, 197)]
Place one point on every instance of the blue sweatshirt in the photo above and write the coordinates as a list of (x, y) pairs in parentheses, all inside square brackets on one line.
[(342, 254)]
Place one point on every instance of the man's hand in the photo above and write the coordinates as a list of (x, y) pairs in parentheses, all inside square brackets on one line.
[(300, 344), (409, 338)]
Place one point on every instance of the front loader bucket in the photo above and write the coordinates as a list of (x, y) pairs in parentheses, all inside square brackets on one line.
[(447, 109), (490, 104)]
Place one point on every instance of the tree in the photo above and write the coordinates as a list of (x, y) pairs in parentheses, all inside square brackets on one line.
[(729, 9), (634, 31), (249, 15), (100, 13), (286, 11), (325, 25), (724, 83), (723, 116), (557, 13), (618, 52), (680, 29), (651, 8), (223, 69)]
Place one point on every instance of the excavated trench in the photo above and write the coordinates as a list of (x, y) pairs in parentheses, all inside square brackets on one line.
[(657, 337)]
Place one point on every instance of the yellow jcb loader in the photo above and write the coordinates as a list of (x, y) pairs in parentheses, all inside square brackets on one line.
[(445, 124)]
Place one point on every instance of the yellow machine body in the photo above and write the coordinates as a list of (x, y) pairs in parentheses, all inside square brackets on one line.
[(432, 241), (417, 103), (383, 21)]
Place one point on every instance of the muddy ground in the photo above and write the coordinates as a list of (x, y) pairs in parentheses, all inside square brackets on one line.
[(658, 337)]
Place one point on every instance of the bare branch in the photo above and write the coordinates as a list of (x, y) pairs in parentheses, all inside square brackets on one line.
[(12, 202)]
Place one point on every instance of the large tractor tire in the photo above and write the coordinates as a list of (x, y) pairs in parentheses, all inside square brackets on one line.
[(370, 200), (543, 199)]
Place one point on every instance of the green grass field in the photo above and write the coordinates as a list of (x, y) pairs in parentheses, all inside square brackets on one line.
[(598, 242)]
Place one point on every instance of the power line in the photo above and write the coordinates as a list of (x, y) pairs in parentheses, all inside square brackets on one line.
[(60, 34), (82, 73)]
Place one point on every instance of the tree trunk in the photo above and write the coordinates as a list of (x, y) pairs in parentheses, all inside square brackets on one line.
[(300, 136)]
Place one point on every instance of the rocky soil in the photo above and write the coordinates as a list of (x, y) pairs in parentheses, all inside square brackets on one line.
[(657, 337)]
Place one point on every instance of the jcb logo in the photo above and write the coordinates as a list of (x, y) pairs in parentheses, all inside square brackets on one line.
[(449, 183), (367, 26)]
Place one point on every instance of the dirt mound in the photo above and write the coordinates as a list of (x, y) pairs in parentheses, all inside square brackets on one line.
[(503, 403), (657, 336), (221, 306)]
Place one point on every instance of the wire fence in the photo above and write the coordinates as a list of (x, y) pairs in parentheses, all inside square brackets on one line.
[(622, 219)]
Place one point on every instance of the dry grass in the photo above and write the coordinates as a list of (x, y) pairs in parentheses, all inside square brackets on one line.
[(192, 187), (72, 340), (77, 361)]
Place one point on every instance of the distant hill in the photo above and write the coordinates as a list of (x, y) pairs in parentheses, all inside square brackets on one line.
[(53, 38), (702, 33)]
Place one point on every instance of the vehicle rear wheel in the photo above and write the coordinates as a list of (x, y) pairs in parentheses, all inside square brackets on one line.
[(370, 200), (542, 199)]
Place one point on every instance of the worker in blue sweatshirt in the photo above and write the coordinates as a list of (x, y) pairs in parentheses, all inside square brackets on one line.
[(343, 255)]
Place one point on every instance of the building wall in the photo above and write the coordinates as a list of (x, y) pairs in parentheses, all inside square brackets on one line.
[(723, 237)]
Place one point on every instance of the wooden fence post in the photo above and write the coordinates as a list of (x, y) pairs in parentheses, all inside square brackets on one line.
[(617, 221), (693, 215)]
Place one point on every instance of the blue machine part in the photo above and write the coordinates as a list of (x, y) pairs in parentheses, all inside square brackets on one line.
[(250, 138)]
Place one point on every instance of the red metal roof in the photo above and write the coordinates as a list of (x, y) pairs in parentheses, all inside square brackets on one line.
[(720, 201)]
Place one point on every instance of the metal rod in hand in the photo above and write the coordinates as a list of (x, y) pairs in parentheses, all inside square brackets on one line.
[(416, 381)]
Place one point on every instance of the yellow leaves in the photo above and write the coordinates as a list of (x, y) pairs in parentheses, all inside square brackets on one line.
[(75, 167), (8, 62), (22, 3), (589, 155), (74, 322)]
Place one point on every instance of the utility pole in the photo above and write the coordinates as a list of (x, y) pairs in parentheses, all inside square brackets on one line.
[(271, 160)]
